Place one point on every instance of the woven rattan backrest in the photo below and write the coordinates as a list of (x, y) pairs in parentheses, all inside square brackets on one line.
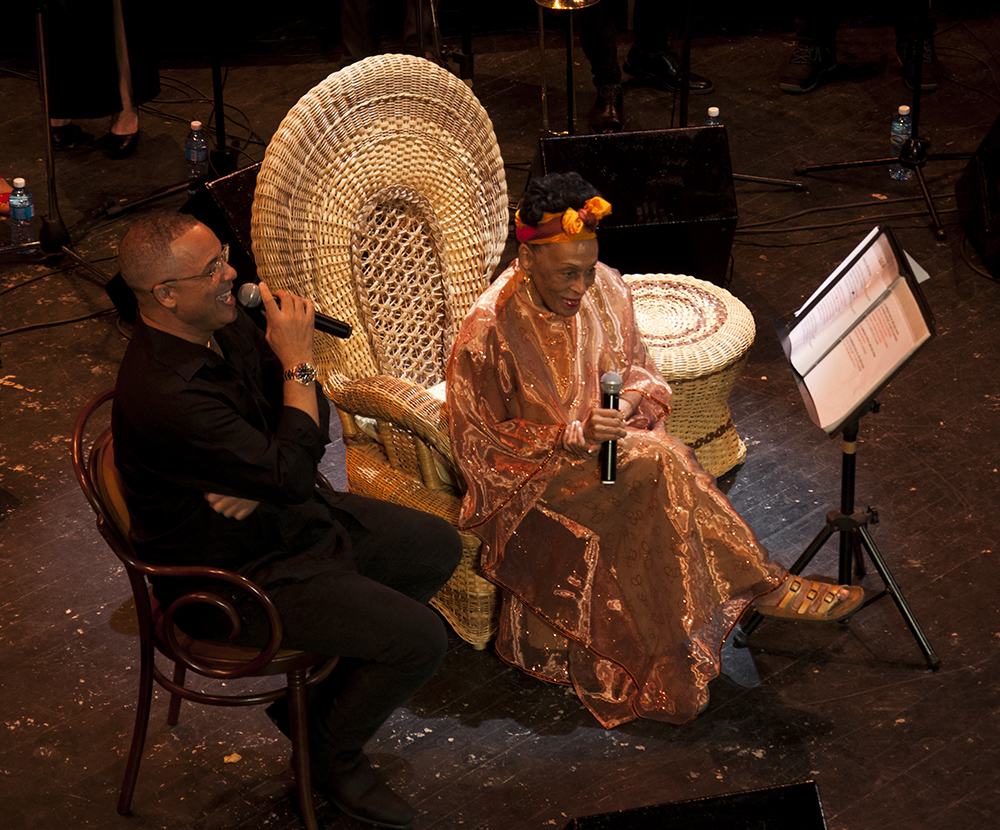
[(400, 274), (386, 121)]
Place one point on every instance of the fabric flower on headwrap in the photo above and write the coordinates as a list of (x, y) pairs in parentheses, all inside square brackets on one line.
[(569, 226)]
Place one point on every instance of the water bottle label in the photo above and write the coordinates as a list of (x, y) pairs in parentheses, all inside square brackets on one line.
[(196, 155), (22, 213)]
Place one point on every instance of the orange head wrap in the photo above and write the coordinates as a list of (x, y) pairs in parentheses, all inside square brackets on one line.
[(568, 226)]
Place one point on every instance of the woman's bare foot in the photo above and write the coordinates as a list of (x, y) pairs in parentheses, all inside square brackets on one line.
[(125, 123)]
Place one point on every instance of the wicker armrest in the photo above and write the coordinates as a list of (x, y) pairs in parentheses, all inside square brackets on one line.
[(396, 400)]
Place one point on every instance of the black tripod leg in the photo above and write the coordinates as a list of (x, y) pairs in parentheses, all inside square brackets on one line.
[(933, 661), (747, 628), (938, 230)]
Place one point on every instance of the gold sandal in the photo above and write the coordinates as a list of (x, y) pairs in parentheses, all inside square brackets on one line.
[(801, 594)]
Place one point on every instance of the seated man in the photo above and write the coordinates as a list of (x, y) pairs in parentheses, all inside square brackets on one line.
[(624, 591), (218, 432)]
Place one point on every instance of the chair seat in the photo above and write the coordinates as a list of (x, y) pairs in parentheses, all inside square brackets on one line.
[(223, 656)]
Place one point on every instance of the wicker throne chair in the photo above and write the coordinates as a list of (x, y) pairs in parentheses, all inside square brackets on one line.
[(382, 197)]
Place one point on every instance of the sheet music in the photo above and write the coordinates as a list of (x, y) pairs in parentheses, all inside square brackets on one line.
[(854, 369), (854, 292)]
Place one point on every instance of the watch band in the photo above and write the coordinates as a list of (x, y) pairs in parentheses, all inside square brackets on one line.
[(304, 373)]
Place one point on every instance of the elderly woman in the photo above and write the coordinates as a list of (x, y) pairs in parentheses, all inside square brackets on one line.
[(624, 591)]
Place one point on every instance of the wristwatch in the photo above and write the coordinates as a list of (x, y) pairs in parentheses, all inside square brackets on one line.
[(304, 373)]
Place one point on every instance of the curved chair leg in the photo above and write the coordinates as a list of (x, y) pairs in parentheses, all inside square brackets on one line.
[(138, 734), (300, 747), (174, 709)]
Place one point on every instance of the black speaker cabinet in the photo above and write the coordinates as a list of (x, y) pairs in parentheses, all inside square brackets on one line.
[(787, 807), (671, 193), (225, 205), (978, 195)]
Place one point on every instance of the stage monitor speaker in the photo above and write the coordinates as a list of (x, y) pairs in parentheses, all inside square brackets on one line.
[(225, 206), (786, 807), (978, 195), (671, 193)]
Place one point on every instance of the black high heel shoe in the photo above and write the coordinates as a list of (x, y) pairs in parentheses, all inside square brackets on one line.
[(69, 137), (121, 146)]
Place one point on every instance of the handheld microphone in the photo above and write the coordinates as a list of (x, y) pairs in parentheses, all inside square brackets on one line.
[(249, 296), (611, 385)]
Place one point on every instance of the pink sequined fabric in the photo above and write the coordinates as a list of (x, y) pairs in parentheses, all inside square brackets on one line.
[(625, 591)]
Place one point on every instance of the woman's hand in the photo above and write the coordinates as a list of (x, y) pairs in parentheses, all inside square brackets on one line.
[(583, 437), (604, 425)]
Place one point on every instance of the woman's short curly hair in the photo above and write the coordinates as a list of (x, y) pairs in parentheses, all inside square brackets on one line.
[(553, 194)]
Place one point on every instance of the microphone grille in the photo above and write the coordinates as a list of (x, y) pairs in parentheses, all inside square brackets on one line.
[(249, 295), (611, 383)]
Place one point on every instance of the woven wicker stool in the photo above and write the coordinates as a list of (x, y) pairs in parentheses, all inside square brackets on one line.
[(698, 335)]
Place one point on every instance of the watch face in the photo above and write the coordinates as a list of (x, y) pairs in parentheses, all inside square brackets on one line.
[(303, 373)]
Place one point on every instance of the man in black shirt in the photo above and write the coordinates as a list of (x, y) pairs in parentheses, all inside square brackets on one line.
[(218, 431)]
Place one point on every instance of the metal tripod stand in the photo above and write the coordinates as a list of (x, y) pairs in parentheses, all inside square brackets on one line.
[(913, 154), (854, 538)]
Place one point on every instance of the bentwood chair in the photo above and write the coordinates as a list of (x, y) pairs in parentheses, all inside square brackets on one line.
[(382, 197), (158, 632)]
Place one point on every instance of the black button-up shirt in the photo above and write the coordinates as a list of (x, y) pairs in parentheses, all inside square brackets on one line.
[(187, 422)]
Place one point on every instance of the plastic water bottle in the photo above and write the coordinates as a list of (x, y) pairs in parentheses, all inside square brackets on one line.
[(196, 153), (713, 119), (22, 212), (902, 129)]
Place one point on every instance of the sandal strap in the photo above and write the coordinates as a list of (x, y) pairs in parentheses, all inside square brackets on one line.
[(811, 595), (791, 591)]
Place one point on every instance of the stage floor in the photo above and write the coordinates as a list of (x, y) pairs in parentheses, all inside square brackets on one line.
[(890, 743)]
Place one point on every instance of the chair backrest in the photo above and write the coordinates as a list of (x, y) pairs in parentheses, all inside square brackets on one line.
[(382, 197)]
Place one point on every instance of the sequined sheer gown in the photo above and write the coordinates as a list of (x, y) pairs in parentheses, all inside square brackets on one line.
[(624, 591)]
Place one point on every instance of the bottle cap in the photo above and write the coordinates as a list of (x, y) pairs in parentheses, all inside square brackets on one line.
[(904, 110), (18, 182), (713, 112), (196, 125)]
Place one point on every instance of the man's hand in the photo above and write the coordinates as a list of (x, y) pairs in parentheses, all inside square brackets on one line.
[(232, 507), (290, 330), (290, 326)]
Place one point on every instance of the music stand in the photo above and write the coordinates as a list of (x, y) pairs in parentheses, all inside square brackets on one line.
[(873, 290), (852, 525)]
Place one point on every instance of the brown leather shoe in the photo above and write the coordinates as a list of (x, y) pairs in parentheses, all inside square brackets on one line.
[(608, 114)]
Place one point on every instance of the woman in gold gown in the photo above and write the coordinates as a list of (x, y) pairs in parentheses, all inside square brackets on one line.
[(624, 591)]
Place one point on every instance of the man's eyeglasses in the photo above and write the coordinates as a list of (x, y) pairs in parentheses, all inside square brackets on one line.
[(217, 270)]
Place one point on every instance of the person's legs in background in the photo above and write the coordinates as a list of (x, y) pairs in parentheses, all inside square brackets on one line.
[(360, 29), (650, 59), (814, 60), (599, 39), (912, 20)]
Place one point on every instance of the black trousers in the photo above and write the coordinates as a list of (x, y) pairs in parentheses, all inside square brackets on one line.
[(370, 609), (818, 21), (361, 26), (599, 35)]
